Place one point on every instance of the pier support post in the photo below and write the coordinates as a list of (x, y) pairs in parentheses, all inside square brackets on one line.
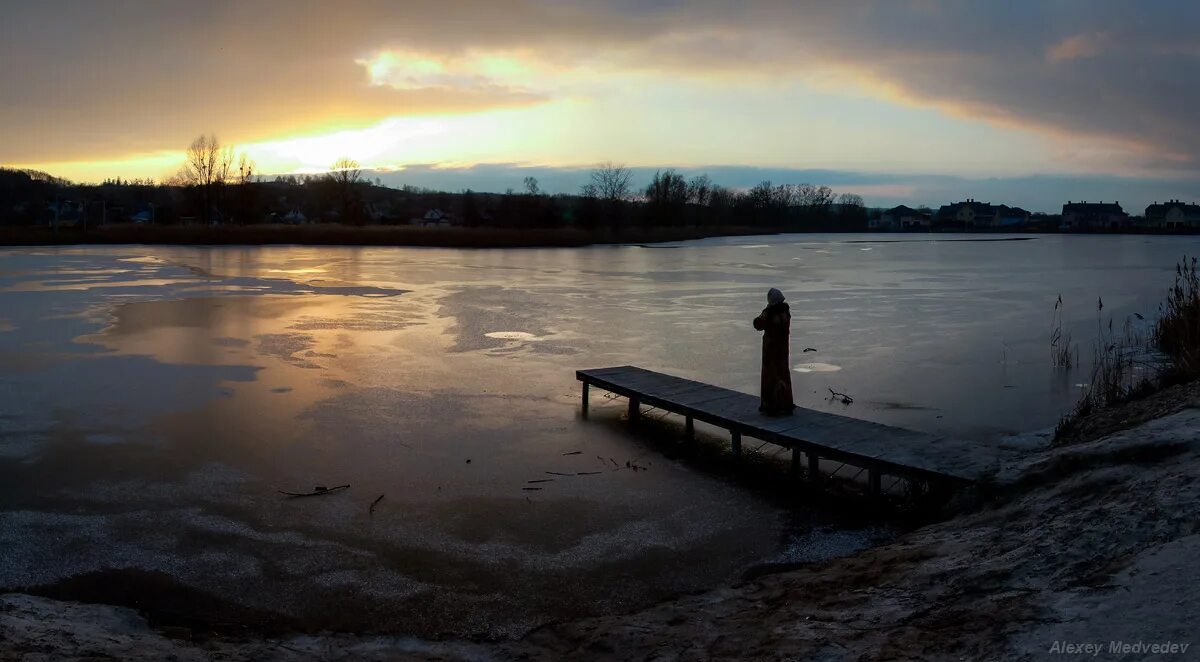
[(814, 468), (876, 482), (735, 438), (689, 429), (585, 399), (795, 461), (634, 409)]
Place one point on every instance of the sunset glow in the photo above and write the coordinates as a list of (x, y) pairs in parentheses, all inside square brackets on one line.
[(569, 86), (599, 329)]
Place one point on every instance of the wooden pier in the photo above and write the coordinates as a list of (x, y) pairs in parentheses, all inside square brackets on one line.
[(879, 449)]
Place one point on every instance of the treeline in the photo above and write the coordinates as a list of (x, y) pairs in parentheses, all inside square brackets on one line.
[(217, 186), (670, 199)]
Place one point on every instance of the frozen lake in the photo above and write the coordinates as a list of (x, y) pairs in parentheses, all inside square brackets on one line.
[(153, 399)]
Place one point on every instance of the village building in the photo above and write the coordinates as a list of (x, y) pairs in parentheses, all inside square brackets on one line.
[(1093, 216), (379, 211), (434, 218), (1011, 217), (969, 213), (294, 217), (65, 213), (901, 218), (1172, 215)]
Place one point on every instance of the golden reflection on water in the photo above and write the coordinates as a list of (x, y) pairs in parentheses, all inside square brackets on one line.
[(307, 349)]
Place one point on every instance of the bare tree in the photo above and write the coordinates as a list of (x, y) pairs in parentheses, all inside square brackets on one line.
[(245, 191), (850, 200), (531, 186), (200, 161), (851, 208), (784, 196), (246, 168), (346, 172), (699, 190), (346, 175), (722, 198), (206, 169), (815, 198), (667, 197), (612, 182), (667, 189), (760, 195)]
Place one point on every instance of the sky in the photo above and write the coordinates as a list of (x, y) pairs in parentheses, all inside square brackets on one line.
[(902, 101)]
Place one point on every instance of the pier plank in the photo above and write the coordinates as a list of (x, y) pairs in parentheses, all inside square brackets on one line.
[(880, 448)]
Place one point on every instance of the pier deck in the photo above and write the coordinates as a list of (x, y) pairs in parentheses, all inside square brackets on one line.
[(880, 449)]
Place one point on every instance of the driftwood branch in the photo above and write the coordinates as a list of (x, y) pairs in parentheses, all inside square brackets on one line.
[(371, 510), (317, 491), (845, 399)]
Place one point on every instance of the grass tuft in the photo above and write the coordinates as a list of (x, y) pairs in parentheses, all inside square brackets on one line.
[(1177, 331), (1063, 354)]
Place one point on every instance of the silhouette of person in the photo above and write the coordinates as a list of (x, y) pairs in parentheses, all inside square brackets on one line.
[(775, 322)]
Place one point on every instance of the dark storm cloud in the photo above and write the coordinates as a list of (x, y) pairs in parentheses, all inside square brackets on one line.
[(85, 79)]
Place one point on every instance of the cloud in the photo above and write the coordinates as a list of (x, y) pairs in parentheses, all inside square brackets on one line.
[(492, 74), (1077, 46), (1111, 84), (91, 79), (1120, 80)]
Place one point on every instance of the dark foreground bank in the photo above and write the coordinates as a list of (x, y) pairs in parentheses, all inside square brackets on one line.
[(328, 234)]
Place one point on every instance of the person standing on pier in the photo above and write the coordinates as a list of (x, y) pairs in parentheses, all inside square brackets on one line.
[(775, 322)]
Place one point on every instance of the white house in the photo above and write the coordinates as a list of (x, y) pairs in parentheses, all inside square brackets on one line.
[(434, 218), (1172, 215), (901, 218), (294, 217)]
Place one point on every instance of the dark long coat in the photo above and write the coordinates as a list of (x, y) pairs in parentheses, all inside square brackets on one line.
[(776, 388)]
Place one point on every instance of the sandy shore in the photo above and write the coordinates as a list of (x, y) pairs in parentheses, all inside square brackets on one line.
[(1088, 543)]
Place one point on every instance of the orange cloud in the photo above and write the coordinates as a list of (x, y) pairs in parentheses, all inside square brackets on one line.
[(101, 81), (1077, 46)]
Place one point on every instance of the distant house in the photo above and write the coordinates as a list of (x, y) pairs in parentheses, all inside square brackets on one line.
[(294, 217), (969, 213), (1172, 215), (1093, 216), (1011, 217), (378, 210), (432, 219), (901, 218), (65, 214), (884, 221), (142, 217)]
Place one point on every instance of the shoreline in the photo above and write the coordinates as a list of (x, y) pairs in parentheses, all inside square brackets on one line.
[(331, 234), (1067, 548), (351, 236)]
